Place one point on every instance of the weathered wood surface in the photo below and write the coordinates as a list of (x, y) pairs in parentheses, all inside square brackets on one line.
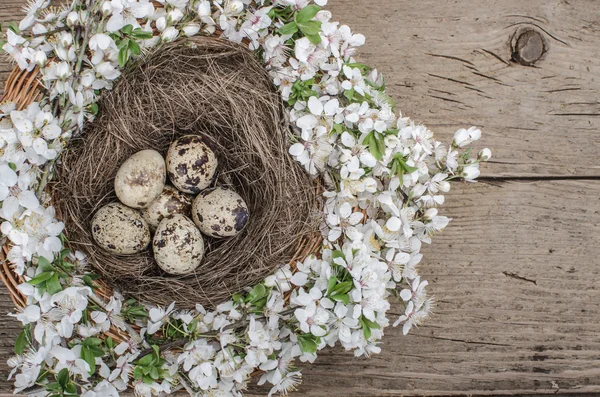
[(517, 273)]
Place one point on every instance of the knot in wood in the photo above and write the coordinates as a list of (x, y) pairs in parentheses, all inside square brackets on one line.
[(528, 47)]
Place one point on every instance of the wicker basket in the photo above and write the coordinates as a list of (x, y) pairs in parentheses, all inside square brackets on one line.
[(23, 88)]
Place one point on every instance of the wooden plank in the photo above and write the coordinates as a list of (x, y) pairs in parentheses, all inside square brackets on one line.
[(493, 332), (448, 65)]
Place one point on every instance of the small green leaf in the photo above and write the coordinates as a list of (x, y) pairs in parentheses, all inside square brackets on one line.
[(63, 377), (154, 373), (40, 278), (134, 48), (307, 343), (127, 29), (21, 342), (123, 56), (307, 13), (45, 264), (88, 357), (332, 282), (314, 38), (12, 166), (289, 28), (110, 343), (12, 25), (92, 342), (310, 28), (145, 361), (137, 373), (53, 284), (345, 298), (71, 389), (141, 34), (53, 386), (258, 292), (342, 288)]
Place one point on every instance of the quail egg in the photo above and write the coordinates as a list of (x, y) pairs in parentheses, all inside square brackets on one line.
[(191, 164), (178, 245), (220, 212), (140, 179), (120, 229), (171, 201)]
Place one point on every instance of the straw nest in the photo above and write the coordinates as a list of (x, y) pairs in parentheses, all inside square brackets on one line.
[(218, 89)]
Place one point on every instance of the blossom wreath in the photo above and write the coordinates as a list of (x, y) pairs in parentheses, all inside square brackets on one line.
[(386, 176)]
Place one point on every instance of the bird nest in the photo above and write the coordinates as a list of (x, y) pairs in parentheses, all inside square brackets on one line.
[(217, 89)]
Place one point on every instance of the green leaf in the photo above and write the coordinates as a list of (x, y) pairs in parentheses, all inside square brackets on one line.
[(53, 284), (154, 373), (310, 28), (345, 298), (332, 282), (307, 343), (123, 56), (127, 29), (71, 389), (40, 278), (63, 377), (307, 13), (289, 28), (12, 166), (376, 144), (92, 342), (337, 254), (371, 324), (349, 94), (12, 25), (342, 288), (64, 253), (134, 48), (145, 361), (258, 292), (141, 34), (21, 342), (53, 386), (88, 357), (110, 343), (137, 373), (314, 38), (45, 264), (238, 297)]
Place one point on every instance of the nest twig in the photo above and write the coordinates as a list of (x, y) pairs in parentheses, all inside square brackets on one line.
[(203, 86)]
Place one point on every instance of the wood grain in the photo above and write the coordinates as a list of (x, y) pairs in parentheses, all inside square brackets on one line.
[(517, 272)]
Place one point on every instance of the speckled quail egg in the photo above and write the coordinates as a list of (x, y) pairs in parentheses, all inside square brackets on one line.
[(171, 201), (220, 212), (178, 245), (120, 229), (141, 179), (191, 164)]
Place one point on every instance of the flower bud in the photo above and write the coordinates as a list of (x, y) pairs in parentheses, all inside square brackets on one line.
[(161, 23), (485, 154), (191, 29), (464, 137), (72, 18), (106, 8), (40, 58), (169, 34), (471, 172), (174, 15), (430, 213)]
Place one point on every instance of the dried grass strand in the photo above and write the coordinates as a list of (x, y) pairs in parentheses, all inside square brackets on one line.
[(206, 86)]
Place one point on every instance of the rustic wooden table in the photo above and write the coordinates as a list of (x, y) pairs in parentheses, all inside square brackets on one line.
[(517, 273)]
